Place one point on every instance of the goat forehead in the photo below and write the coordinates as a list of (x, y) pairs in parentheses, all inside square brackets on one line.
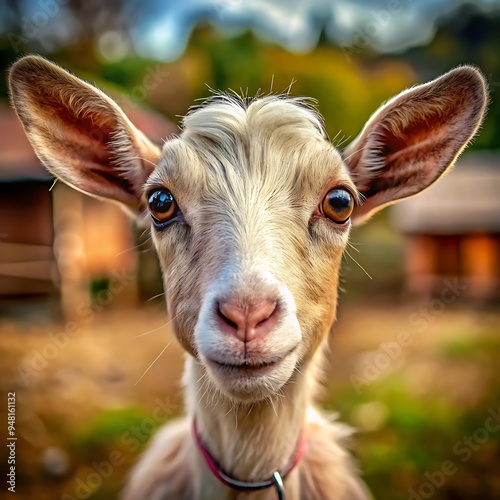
[(224, 116), (273, 147)]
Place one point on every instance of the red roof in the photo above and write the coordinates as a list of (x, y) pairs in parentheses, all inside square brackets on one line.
[(17, 159)]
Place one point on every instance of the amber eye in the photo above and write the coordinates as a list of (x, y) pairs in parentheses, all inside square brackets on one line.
[(162, 205), (338, 205)]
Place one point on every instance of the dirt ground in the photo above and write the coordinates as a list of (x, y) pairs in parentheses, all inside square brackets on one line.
[(81, 388)]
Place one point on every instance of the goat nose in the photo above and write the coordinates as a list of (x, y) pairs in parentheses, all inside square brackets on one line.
[(248, 322)]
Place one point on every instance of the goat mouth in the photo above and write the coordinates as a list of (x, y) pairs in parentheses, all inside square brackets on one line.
[(251, 380), (247, 368), (247, 364)]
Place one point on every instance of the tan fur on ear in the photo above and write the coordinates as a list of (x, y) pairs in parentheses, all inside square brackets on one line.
[(79, 133), (414, 138)]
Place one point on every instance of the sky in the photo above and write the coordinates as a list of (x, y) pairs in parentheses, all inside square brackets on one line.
[(385, 25), (160, 29)]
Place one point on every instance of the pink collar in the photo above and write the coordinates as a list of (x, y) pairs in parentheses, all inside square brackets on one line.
[(276, 480)]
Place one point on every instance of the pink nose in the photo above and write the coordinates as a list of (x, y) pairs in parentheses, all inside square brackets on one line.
[(248, 322)]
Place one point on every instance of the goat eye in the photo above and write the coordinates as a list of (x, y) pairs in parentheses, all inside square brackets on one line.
[(162, 205), (338, 205)]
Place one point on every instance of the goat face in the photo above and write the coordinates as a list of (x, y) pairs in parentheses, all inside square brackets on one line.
[(250, 259), (251, 204)]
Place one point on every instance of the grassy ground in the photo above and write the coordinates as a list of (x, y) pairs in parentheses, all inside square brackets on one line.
[(420, 382)]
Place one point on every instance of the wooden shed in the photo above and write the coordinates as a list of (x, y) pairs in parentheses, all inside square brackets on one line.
[(27, 265), (453, 229), (56, 243)]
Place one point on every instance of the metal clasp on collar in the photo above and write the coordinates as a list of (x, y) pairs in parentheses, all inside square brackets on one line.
[(280, 488)]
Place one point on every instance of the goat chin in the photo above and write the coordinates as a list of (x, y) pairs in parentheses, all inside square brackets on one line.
[(251, 384)]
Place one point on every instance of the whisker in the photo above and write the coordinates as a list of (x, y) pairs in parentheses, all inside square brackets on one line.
[(351, 245), (250, 408), (202, 380), (288, 90), (144, 232), (270, 399), (336, 135), (354, 152), (229, 411), (143, 159), (131, 248), (342, 141), (204, 386), (153, 330), (360, 266), (163, 293), (236, 415), (154, 361)]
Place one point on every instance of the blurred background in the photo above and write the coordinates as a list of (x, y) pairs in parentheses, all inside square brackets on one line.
[(416, 348)]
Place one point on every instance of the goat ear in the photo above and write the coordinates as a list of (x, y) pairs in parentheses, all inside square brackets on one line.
[(80, 134), (414, 138)]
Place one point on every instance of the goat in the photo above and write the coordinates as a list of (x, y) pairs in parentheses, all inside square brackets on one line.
[(251, 208)]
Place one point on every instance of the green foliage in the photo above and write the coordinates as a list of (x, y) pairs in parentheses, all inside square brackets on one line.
[(420, 432), (106, 429), (98, 285), (348, 89), (467, 36)]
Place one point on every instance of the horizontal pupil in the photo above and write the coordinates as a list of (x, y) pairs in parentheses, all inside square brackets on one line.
[(339, 202), (161, 201)]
